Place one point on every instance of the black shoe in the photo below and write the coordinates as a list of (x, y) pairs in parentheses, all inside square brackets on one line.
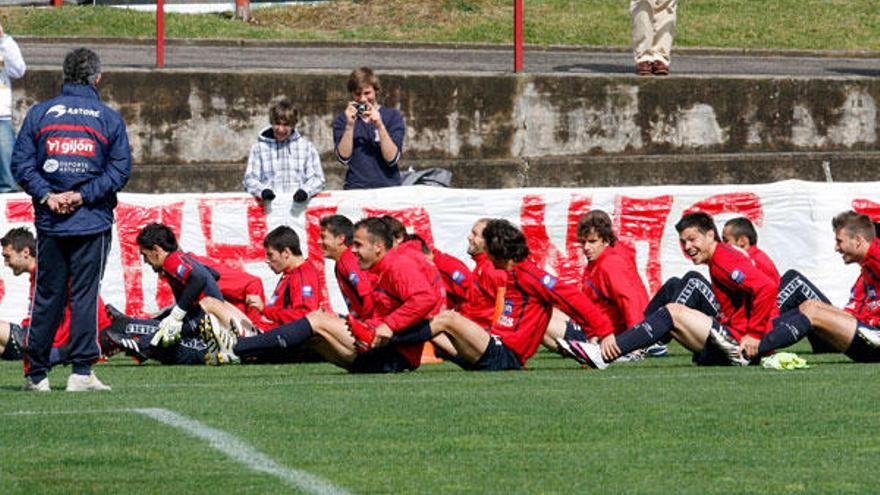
[(113, 313), (16, 333), (128, 344)]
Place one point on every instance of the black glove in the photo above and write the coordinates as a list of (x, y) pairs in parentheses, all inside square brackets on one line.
[(299, 196), (267, 195)]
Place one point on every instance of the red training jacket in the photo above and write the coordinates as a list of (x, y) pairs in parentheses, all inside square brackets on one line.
[(403, 296), (529, 298), (864, 303), (297, 294), (613, 284), (764, 263), (355, 285), (456, 276), (486, 283), (746, 295)]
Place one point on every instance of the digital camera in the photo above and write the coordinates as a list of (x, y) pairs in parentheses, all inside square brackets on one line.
[(361, 108)]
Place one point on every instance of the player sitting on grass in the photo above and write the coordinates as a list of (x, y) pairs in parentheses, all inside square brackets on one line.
[(391, 338), (136, 336), (741, 233), (610, 280), (298, 292), (852, 330), (190, 281), (529, 298), (19, 247), (487, 281), (746, 297), (794, 288), (337, 233), (116, 332)]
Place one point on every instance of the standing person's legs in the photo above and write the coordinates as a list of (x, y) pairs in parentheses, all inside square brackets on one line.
[(664, 32), (642, 14), (86, 257), (47, 310), (7, 142)]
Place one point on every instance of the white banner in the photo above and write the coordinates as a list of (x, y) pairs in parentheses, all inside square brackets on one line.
[(793, 220)]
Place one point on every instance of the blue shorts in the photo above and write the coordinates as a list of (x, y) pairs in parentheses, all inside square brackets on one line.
[(497, 357), (381, 360), (860, 351), (573, 331)]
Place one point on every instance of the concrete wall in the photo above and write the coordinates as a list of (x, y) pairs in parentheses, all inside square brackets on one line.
[(493, 130)]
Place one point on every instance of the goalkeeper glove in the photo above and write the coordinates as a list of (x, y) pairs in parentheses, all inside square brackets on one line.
[(169, 328)]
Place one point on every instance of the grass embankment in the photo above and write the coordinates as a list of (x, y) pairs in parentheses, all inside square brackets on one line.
[(779, 24)]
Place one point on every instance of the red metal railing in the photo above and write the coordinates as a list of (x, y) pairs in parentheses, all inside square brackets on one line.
[(517, 36), (160, 34)]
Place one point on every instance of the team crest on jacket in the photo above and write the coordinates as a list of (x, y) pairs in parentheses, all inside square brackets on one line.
[(737, 276), (549, 281), (307, 291), (508, 307), (181, 270), (353, 278), (51, 165), (457, 277)]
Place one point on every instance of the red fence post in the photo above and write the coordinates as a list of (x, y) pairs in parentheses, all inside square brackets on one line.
[(518, 36), (243, 9), (160, 33), (57, 3)]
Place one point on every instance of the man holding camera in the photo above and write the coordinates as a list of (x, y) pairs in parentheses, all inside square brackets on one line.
[(368, 138)]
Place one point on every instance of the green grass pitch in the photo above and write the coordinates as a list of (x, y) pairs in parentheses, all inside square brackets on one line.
[(661, 426)]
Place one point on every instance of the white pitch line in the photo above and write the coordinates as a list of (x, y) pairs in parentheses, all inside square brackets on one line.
[(228, 444)]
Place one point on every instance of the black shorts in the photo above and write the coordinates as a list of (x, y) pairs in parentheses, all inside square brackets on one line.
[(381, 360), (573, 331), (711, 355), (860, 351), (12, 351), (498, 357)]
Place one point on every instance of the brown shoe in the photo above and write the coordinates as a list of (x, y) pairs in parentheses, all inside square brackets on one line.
[(660, 68), (644, 68)]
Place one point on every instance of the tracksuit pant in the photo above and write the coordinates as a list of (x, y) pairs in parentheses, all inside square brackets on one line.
[(67, 268)]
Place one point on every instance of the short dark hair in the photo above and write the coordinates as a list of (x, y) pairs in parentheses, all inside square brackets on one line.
[(378, 230), (363, 76), (422, 244), (283, 112), (157, 234), (397, 228), (20, 238), (599, 222), (82, 66), (504, 241), (699, 219), (339, 225), (854, 223), (282, 238), (742, 226)]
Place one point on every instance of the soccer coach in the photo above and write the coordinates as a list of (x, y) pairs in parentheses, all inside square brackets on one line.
[(72, 156)]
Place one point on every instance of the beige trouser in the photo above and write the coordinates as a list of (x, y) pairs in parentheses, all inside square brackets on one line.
[(653, 26)]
